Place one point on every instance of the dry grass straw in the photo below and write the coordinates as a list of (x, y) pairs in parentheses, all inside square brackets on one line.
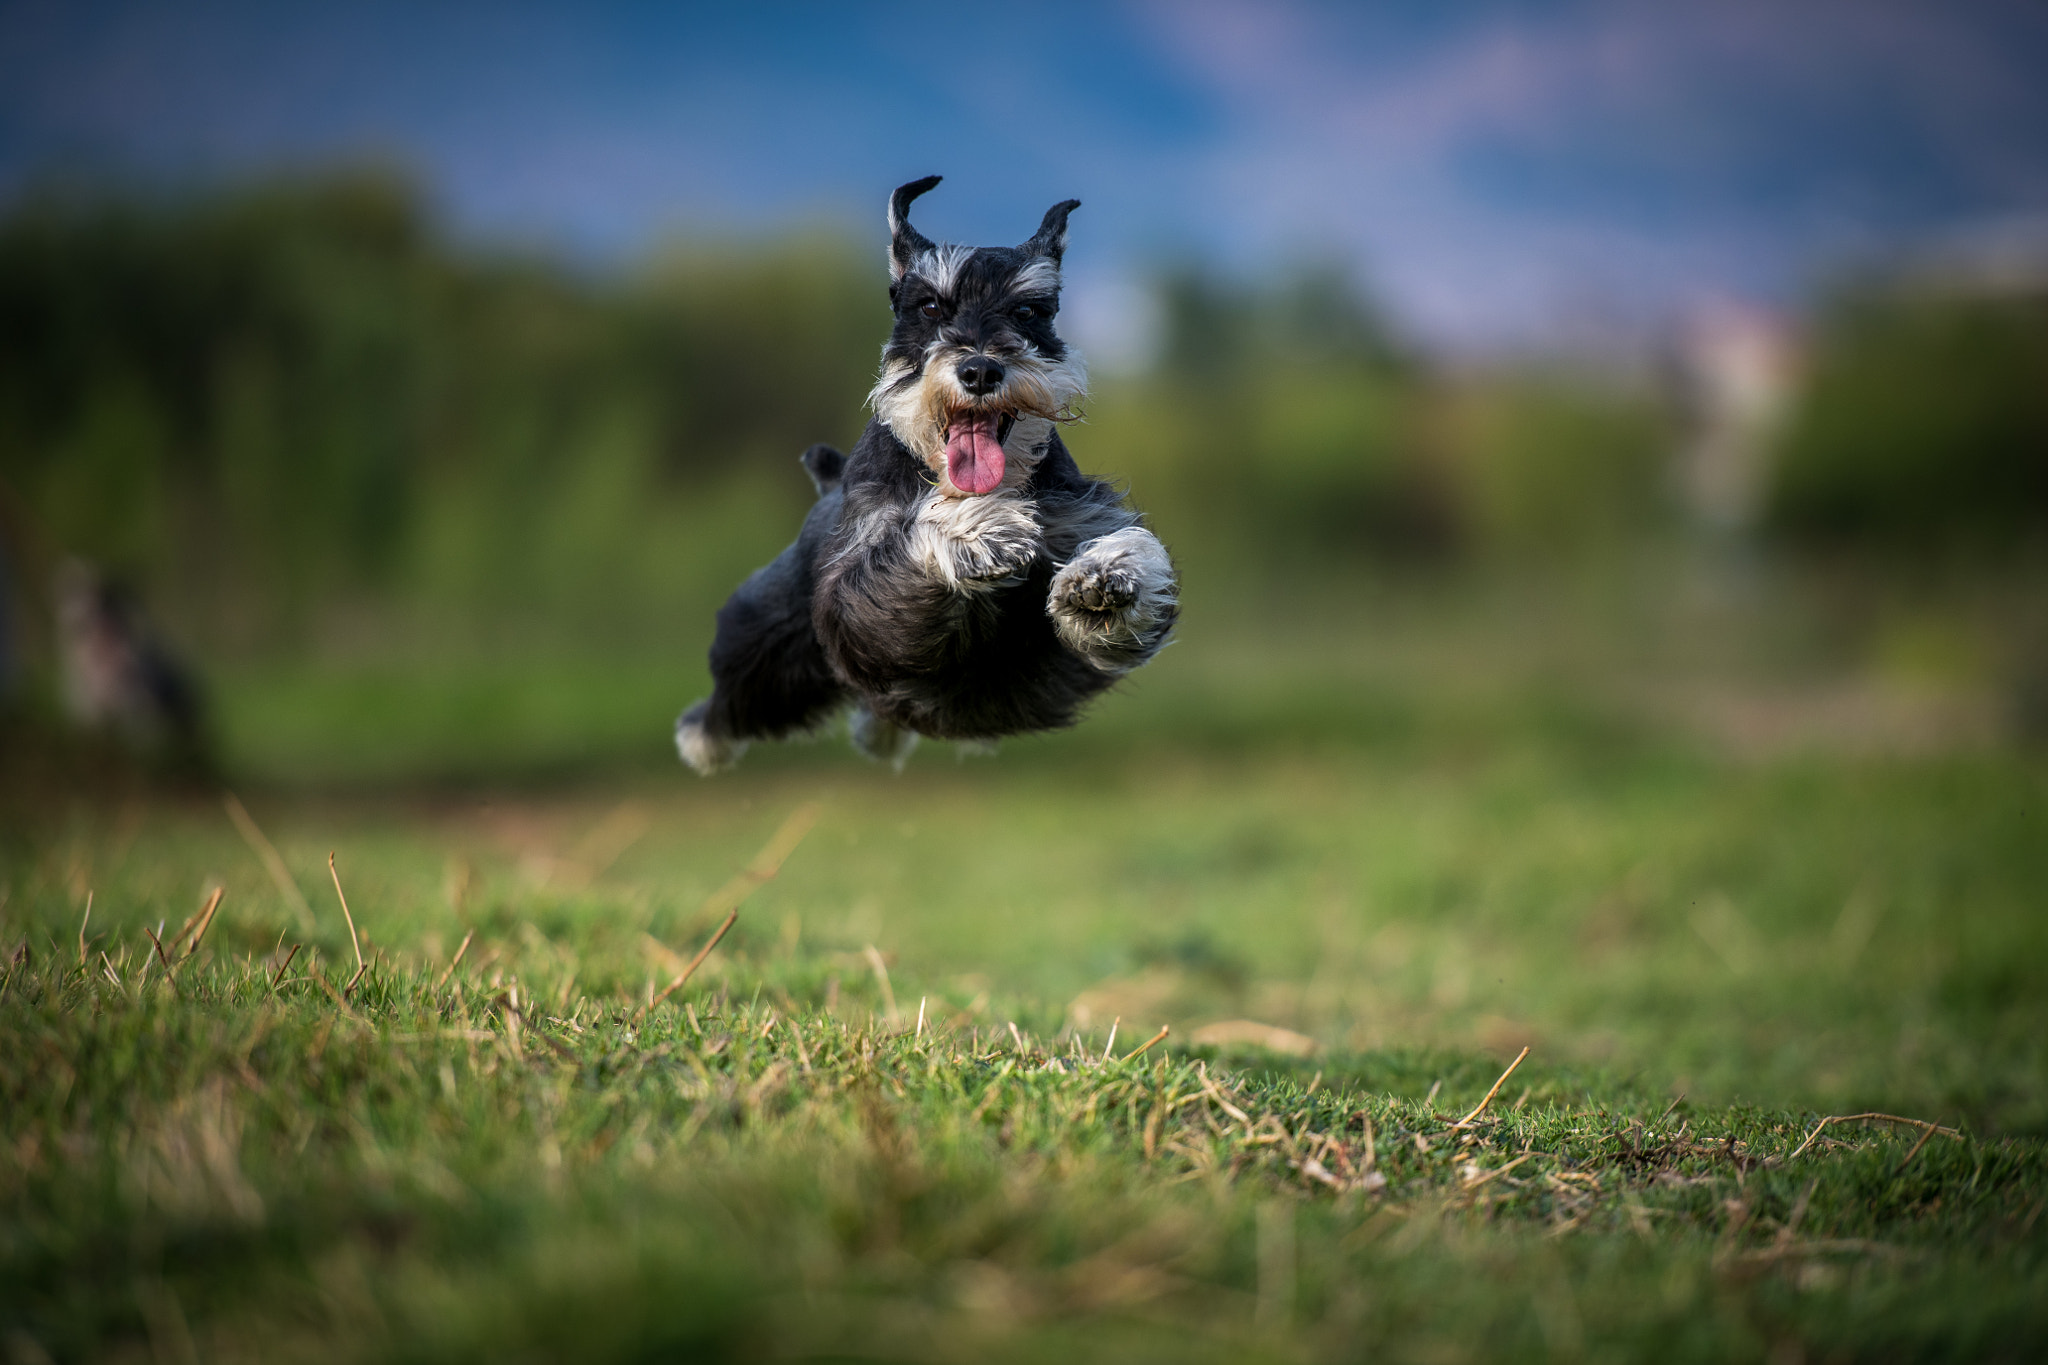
[(691, 970), (734, 893), (353, 941), (278, 975), (522, 1021), (455, 961), (1927, 1130), (266, 853), (609, 839), (161, 956), (1497, 1172), (1467, 1121), (881, 970), (766, 863), (1787, 1246), (198, 924), (339, 997), (1146, 1046)]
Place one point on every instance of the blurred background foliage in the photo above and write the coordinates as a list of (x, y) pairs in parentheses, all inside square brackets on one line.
[(314, 426), (278, 401), (1924, 422)]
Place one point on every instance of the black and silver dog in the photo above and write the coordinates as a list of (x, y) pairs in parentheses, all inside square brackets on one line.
[(959, 577)]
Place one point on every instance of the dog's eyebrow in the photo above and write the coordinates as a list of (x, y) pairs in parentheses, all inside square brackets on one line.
[(1040, 275), (940, 267)]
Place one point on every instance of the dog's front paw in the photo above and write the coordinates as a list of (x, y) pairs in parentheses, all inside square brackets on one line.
[(1095, 587), (1116, 601), (974, 543)]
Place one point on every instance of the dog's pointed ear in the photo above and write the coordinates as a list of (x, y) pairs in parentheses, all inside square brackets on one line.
[(905, 241), (1051, 237)]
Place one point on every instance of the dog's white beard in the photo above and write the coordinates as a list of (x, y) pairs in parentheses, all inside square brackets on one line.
[(919, 408)]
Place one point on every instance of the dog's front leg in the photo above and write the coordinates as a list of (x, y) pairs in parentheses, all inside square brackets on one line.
[(974, 544), (900, 592), (1115, 602)]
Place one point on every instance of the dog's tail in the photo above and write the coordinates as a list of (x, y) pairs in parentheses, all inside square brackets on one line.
[(825, 465)]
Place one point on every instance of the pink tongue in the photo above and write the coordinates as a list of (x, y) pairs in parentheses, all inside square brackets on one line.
[(974, 462)]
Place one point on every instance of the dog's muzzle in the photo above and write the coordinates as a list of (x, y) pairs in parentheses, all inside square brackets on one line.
[(979, 375), (974, 436)]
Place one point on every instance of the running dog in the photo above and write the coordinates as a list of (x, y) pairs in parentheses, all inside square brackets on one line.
[(958, 577)]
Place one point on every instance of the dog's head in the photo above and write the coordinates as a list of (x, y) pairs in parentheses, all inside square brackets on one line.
[(974, 374)]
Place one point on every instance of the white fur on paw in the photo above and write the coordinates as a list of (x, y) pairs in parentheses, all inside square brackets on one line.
[(882, 740), (1115, 601), (702, 750), (976, 543)]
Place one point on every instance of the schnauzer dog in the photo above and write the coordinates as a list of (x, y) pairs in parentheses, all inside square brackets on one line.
[(958, 577)]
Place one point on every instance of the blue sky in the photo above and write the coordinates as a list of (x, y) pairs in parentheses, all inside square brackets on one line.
[(1498, 170)]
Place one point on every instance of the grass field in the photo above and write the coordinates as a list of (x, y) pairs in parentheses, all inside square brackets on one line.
[(1404, 873)]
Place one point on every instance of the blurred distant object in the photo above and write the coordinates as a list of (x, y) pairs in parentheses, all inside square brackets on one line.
[(2006, 257), (1736, 369), (118, 678), (1924, 422)]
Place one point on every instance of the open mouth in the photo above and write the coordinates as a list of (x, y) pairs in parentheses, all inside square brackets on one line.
[(974, 449)]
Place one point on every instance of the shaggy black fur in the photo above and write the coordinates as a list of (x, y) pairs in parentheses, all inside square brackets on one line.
[(891, 599)]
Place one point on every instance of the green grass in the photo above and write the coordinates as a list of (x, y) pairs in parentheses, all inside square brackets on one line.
[(1706, 956), (418, 1175), (1420, 849)]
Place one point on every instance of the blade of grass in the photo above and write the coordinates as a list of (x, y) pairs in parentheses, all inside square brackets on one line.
[(266, 853)]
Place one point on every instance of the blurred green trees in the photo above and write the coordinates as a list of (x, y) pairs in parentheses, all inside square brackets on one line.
[(356, 464), (1554, 466), (1281, 424), (1923, 422), (1291, 424), (301, 401), (270, 399)]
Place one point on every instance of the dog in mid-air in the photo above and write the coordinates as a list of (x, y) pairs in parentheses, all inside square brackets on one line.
[(958, 577)]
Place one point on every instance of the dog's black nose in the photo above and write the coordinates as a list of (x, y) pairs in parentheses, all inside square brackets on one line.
[(979, 375)]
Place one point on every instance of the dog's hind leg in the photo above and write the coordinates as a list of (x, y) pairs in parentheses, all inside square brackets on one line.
[(769, 675), (705, 747), (882, 740), (770, 681), (1114, 603)]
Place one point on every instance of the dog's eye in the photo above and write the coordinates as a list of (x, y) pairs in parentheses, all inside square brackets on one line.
[(929, 310), (1026, 312)]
